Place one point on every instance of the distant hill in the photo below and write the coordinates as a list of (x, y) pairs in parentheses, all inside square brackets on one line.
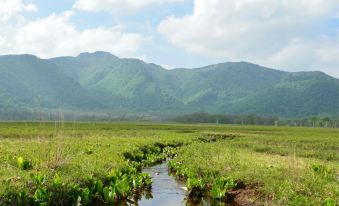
[(101, 81), (29, 82)]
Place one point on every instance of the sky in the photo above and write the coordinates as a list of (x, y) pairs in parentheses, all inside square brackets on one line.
[(287, 35)]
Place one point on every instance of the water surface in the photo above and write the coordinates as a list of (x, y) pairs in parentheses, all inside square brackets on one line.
[(166, 191)]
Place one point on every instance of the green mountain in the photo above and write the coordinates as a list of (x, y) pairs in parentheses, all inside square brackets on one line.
[(101, 81), (122, 84), (29, 82)]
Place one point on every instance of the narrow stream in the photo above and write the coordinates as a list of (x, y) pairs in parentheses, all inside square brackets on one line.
[(166, 191)]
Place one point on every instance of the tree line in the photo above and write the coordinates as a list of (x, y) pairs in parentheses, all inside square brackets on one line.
[(226, 119), (313, 121), (61, 115)]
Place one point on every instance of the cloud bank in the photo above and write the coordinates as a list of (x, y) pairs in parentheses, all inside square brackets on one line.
[(276, 33), (56, 35), (12, 8), (118, 6)]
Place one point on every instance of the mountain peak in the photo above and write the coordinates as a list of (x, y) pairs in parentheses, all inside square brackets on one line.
[(241, 66), (97, 54)]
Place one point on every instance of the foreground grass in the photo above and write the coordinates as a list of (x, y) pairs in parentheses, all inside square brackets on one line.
[(290, 166)]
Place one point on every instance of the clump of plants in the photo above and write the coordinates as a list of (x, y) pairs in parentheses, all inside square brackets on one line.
[(330, 202), (147, 156), (202, 183), (221, 186), (24, 164), (213, 137), (195, 188), (324, 171), (170, 151)]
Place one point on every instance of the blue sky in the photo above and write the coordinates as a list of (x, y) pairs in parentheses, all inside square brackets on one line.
[(286, 35)]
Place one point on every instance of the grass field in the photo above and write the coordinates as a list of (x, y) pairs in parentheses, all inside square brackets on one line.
[(278, 165)]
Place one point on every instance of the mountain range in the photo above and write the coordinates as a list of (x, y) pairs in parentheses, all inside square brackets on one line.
[(103, 82)]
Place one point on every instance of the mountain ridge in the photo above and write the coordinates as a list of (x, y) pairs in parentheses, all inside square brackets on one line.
[(102, 81)]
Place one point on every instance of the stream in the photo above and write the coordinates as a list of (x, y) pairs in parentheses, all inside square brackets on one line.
[(166, 190)]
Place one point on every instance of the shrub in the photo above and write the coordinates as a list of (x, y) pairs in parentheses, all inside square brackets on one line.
[(24, 164)]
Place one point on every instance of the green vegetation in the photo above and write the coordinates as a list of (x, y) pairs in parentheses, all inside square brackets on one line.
[(24, 164), (226, 119), (100, 163), (105, 83), (257, 120), (29, 82)]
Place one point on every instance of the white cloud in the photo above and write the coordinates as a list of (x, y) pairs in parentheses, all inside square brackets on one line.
[(12, 8), (56, 35), (321, 53), (117, 6), (270, 32)]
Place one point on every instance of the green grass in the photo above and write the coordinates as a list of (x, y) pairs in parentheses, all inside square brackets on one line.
[(289, 166)]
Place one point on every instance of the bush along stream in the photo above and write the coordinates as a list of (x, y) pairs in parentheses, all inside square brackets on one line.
[(207, 187), (120, 187)]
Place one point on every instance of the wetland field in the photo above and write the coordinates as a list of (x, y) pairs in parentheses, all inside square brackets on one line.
[(141, 163)]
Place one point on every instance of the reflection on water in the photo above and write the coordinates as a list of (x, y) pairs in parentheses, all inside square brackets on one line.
[(166, 191)]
